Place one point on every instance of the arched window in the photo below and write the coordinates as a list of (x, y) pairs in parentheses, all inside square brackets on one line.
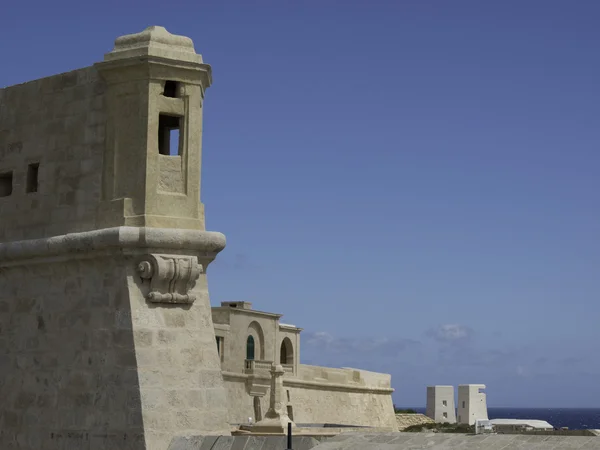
[(283, 358), (250, 348), (286, 354), (256, 341)]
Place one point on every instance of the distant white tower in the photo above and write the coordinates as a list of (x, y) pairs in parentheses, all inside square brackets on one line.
[(440, 404), (472, 404)]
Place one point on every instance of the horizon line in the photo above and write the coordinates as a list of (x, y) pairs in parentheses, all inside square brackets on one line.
[(513, 407)]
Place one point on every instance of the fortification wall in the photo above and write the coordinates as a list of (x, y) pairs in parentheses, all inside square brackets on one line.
[(343, 375), (322, 395), (240, 403), (323, 403), (87, 361), (67, 375), (106, 333), (52, 134)]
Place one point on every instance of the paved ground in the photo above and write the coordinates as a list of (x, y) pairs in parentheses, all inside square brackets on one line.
[(241, 443), (448, 441), (390, 441)]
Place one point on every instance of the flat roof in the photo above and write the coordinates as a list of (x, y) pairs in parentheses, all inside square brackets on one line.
[(245, 311), (525, 422)]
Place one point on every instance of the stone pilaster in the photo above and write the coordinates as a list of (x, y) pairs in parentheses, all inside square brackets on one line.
[(276, 419)]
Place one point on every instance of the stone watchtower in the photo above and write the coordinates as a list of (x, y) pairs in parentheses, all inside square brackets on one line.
[(106, 335), (155, 84), (440, 404)]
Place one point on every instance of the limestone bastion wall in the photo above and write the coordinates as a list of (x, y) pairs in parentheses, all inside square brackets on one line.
[(106, 333), (52, 135), (87, 363), (323, 395)]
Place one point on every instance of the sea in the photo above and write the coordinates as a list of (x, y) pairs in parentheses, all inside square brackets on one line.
[(573, 418)]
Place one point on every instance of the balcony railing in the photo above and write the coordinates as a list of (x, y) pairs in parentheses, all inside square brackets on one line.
[(257, 365), (253, 365)]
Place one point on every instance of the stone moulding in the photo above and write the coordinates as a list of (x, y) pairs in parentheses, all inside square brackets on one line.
[(336, 386), (117, 239), (320, 385), (171, 277)]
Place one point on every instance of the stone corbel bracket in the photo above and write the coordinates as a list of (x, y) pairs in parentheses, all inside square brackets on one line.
[(172, 277)]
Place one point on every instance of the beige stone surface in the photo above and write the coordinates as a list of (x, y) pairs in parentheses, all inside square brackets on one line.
[(317, 401), (408, 420), (106, 333), (276, 419), (343, 404), (59, 123), (235, 321), (86, 359), (313, 394), (107, 339), (94, 134)]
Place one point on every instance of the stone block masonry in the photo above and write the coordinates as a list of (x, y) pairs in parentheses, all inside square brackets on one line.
[(106, 333), (52, 134), (87, 362)]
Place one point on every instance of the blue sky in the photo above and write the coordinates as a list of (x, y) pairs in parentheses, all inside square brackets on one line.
[(415, 183)]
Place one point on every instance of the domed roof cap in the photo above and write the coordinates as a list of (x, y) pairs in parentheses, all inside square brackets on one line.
[(154, 41)]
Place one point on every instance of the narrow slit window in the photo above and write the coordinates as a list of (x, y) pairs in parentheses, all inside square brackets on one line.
[(6, 184), (169, 139), (32, 177), (171, 88)]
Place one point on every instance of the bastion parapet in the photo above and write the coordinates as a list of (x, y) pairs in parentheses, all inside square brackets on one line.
[(107, 338)]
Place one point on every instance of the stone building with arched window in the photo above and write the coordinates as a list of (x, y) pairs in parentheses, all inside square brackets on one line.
[(250, 341), (246, 338)]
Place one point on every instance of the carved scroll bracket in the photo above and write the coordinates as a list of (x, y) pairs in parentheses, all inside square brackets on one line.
[(171, 277)]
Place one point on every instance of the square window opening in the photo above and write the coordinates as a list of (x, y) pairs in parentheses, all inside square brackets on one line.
[(32, 177), (169, 138), (445, 415), (6, 184), (171, 89), (445, 403)]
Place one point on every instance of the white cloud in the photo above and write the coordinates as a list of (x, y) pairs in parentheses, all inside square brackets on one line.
[(318, 338), (451, 333)]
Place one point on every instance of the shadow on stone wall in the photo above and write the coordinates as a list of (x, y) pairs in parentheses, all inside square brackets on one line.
[(67, 357)]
